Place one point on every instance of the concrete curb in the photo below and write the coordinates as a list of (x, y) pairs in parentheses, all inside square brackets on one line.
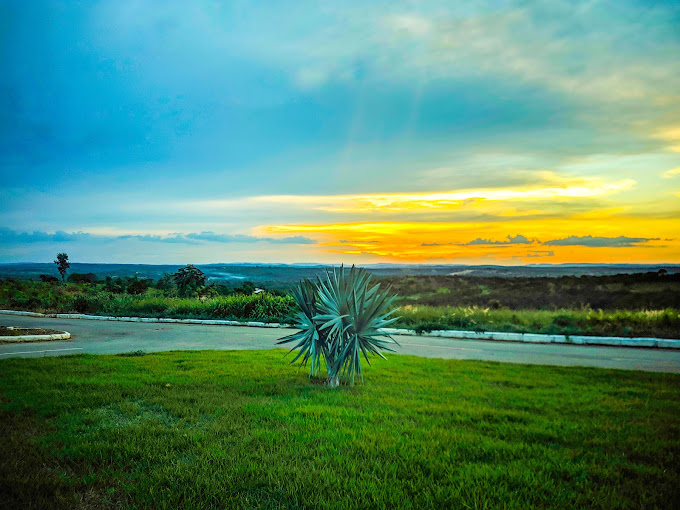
[(662, 343), (35, 338)]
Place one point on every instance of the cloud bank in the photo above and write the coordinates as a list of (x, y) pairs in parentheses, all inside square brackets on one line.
[(600, 242), (518, 239), (8, 236)]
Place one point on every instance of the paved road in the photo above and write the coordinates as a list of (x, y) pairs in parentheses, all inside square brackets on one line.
[(108, 337)]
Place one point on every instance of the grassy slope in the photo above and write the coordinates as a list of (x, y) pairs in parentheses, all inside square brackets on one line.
[(244, 429)]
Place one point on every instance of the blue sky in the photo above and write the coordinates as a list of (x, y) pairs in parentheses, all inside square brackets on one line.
[(176, 132)]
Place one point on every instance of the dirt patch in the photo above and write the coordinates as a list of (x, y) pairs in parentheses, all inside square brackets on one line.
[(10, 331)]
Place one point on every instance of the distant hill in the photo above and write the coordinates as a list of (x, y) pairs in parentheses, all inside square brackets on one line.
[(283, 275)]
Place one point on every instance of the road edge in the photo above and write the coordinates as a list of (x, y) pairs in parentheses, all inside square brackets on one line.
[(613, 341)]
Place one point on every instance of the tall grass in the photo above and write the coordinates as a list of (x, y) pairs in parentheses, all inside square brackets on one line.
[(260, 306), (662, 323), (85, 298)]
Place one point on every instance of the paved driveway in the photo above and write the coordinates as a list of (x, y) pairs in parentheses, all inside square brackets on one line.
[(109, 337)]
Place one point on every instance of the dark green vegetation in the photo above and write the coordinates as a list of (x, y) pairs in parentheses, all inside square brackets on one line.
[(643, 291), (188, 280), (627, 323), (287, 275), (140, 297), (246, 430), (62, 264), (153, 302), (646, 304)]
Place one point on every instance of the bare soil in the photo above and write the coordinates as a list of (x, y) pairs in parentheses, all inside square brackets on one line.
[(9, 331)]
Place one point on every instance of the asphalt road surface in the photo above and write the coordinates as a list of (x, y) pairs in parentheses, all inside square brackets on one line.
[(112, 337)]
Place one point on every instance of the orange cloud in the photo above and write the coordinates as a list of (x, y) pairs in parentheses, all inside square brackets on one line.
[(631, 240)]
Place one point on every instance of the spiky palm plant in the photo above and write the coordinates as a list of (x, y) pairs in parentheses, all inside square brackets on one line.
[(340, 319)]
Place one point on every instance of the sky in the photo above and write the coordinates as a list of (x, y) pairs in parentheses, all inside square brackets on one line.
[(480, 132)]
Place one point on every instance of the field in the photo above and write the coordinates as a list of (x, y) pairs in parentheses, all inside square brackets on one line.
[(247, 430), (427, 303), (285, 275), (643, 291)]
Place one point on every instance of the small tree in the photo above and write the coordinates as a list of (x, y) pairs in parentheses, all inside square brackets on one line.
[(246, 288), (166, 283), (188, 279), (83, 278), (340, 319), (136, 286), (206, 292), (114, 285), (62, 264)]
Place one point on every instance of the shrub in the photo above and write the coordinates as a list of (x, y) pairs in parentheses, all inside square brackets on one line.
[(340, 320), (115, 285), (83, 278), (562, 321), (494, 304), (188, 279), (136, 285), (427, 328), (81, 304)]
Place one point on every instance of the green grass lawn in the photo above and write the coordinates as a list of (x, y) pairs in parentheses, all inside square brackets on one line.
[(243, 429)]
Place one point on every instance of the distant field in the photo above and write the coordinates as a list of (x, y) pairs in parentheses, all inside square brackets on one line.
[(246, 430), (644, 291), (285, 275)]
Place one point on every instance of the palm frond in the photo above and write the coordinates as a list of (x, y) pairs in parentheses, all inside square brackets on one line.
[(341, 319)]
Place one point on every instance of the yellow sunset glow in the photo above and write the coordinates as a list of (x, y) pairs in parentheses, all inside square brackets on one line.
[(460, 241), (414, 202), (670, 134)]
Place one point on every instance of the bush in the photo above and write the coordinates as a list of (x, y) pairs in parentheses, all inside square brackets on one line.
[(115, 285), (137, 286), (83, 278), (562, 321), (427, 328), (494, 304), (340, 319), (81, 304)]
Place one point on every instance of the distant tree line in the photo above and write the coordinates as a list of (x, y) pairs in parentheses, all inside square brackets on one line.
[(188, 281)]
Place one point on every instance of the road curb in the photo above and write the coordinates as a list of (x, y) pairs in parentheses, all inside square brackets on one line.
[(35, 338), (662, 343)]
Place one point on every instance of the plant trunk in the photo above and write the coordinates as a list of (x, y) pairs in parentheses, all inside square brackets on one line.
[(333, 373)]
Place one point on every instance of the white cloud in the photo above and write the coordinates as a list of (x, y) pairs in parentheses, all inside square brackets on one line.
[(410, 24), (671, 173)]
